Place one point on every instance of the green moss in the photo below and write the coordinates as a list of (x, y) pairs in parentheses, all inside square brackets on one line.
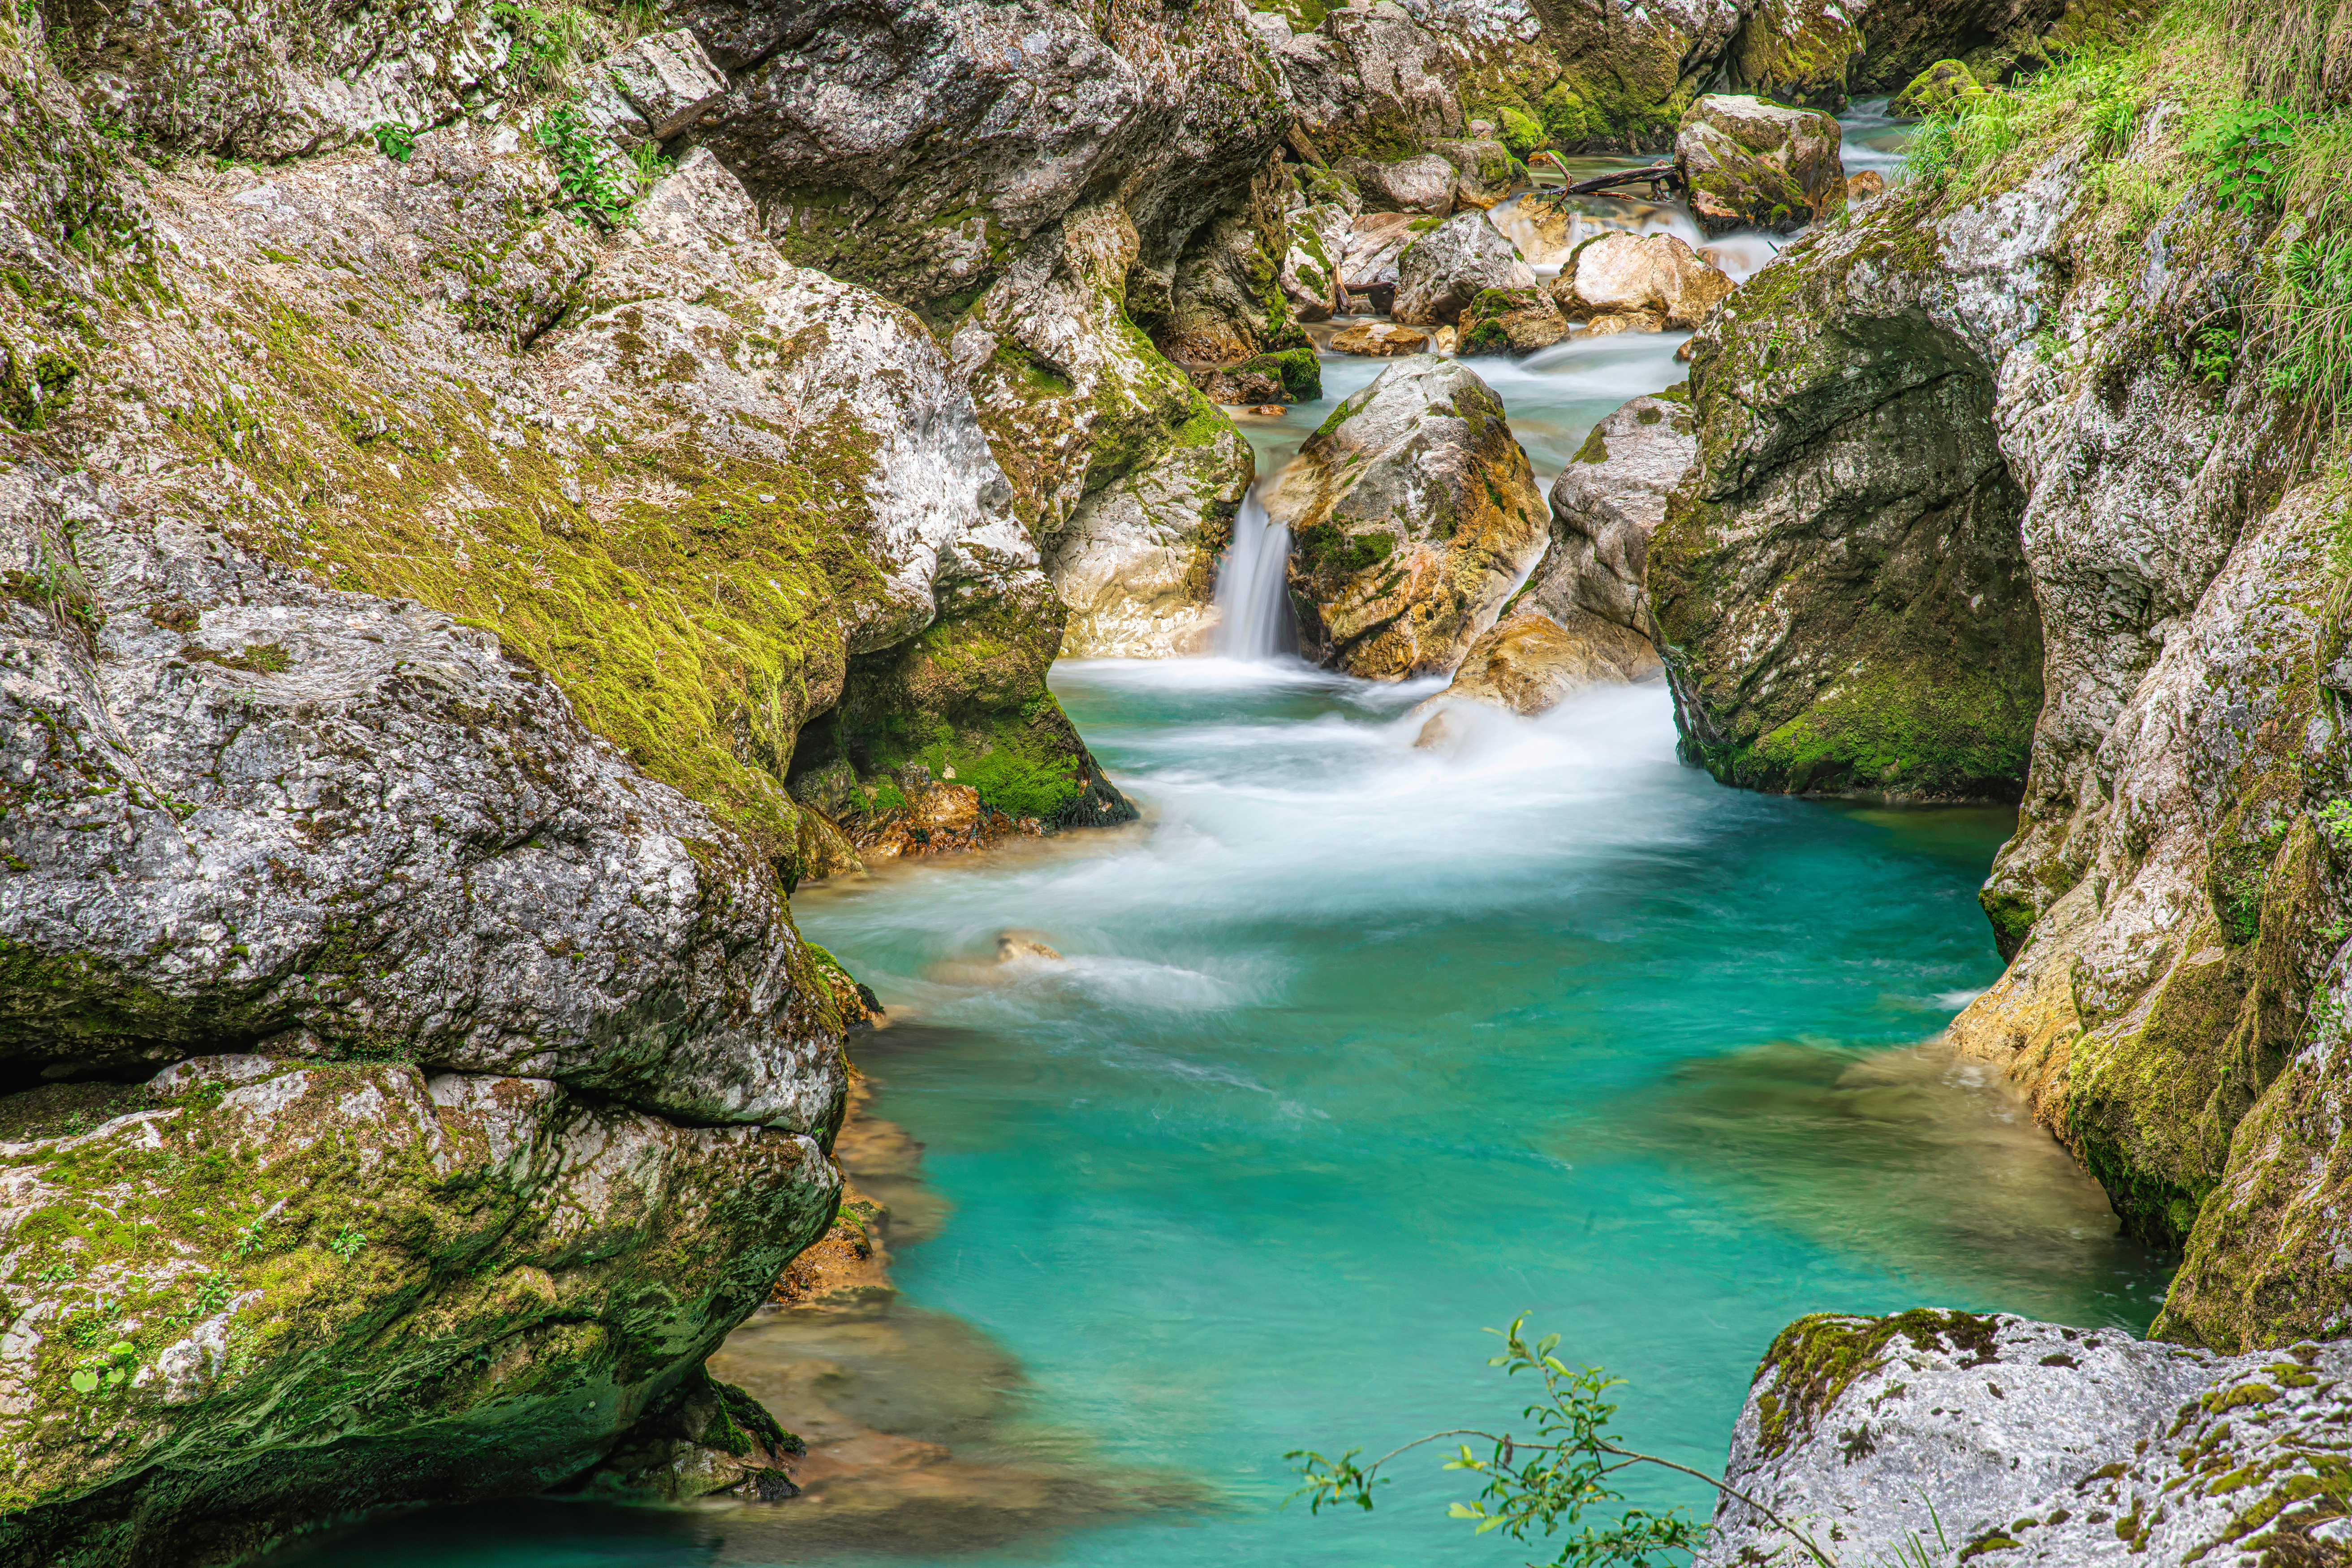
[(1921, 730), (1816, 1359), (1299, 371)]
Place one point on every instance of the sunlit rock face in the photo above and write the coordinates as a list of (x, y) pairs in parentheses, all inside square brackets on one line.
[(1411, 517)]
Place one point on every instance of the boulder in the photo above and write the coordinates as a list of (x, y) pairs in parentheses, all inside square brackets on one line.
[(1796, 51), (1380, 339), (668, 79), (1368, 265), (1942, 89), (1411, 513), (1607, 503), (1623, 282), (1512, 322), (1942, 1436), (1746, 161), (1310, 275), (1483, 169), (1442, 271), (1422, 185), (1860, 187), (1529, 662), (1583, 617)]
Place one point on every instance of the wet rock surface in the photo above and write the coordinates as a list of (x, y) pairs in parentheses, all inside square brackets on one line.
[(1641, 283), (1441, 272), (1583, 617)]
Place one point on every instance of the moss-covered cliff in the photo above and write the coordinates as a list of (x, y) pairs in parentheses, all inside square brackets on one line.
[(2088, 349)]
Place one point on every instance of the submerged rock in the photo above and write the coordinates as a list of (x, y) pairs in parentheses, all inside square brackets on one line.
[(1746, 161), (1984, 1436), (1442, 271), (1643, 283), (1411, 513)]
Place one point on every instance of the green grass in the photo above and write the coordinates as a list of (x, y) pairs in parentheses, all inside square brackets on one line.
[(2257, 120)]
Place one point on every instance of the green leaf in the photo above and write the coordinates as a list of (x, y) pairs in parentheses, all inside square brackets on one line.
[(84, 1381)]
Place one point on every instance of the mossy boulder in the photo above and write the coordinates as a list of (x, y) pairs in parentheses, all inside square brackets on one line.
[(1844, 601), (1995, 1435), (1744, 159), (1942, 87), (1511, 322), (1411, 513)]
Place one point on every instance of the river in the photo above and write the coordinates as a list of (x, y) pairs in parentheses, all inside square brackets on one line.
[(1352, 1051)]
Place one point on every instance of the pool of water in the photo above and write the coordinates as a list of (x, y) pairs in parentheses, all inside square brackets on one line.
[(1353, 1050)]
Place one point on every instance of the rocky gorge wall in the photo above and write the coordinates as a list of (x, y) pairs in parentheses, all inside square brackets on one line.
[(2002, 492)]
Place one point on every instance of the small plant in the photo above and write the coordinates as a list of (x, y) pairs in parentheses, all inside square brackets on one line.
[(547, 41), (348, 1243), (2335, 819), (2250, 146), (107, 1372), (250, 1239), (596, 192), (395, 141), (1549, 1484), (2215, 352)]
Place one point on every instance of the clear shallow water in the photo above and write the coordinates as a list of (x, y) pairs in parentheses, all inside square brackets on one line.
[(1355, 1050)]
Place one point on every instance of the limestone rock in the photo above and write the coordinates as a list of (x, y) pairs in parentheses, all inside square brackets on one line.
[(1583, 617), (1797, 51), (1648, 283), (1310, 275), (1511, 320), (1531, 661), (1745, 160), (1061, 375), (1135, 563), (1860, 187), (1607, 503), (1846, 440), (1482, 168), (667, 79), (1411, 515), (1442, 271), (2041, 1444), (1375, 241), (1381, 339), (1422, 186)]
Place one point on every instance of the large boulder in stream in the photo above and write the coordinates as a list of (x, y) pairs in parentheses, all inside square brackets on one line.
[(1638, 283), (1439, 274), (1966, 519), (1411, 513), (1746, 160), (1583, 617)]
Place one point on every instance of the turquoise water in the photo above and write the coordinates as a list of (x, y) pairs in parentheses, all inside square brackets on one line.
[(1353, 1050)]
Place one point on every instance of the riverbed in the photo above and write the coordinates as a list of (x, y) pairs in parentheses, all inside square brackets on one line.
[(1350, 1051)]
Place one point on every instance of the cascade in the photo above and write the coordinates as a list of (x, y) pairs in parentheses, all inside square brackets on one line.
[(1252, 599)]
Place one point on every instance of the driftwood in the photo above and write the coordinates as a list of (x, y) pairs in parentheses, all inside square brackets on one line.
[(1657, 174)]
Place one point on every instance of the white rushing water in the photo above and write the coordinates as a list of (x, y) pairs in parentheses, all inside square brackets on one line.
[(1253, 601)]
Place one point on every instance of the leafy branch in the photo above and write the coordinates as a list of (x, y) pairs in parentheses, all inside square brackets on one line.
[(1546, 1485)]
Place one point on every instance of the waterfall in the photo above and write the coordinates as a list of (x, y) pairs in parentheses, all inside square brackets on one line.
[(1253, 600)]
